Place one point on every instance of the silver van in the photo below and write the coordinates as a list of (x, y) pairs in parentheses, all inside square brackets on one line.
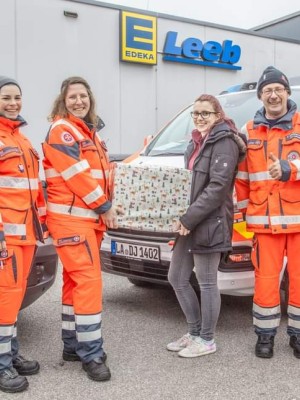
[(236, 277)]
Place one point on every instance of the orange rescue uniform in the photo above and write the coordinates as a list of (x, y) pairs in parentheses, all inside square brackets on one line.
[(77, 172), (273, 214), (22, 208)]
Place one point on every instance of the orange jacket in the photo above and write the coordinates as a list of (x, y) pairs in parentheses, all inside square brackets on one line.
[(22, 205), (272, 206), (77, 172)]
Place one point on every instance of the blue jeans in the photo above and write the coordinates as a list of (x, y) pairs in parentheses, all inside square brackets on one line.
[(202, 320)]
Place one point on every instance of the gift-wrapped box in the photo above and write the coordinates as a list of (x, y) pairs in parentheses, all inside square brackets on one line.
[(153, 197)]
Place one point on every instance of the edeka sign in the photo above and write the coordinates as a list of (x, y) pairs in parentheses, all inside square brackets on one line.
[(138, 38), (209, 54)]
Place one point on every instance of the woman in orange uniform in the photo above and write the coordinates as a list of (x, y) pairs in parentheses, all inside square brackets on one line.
[(79, 210), (21, 200)]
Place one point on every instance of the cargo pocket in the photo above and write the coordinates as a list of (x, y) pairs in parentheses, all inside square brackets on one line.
[(8, 269), (208, 233), (74, 251)]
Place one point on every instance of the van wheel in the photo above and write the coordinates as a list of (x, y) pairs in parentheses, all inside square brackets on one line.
[(139, 282)]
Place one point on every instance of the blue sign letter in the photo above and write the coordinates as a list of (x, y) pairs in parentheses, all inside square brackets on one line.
[(170, 47), (231, 54), (192, 47)]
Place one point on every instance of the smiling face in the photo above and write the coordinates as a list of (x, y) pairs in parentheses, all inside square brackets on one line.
[(274, 97), (204, 116), (10, 101), (77, 100)]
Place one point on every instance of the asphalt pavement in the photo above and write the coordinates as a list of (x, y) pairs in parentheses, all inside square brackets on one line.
[(137, 325)]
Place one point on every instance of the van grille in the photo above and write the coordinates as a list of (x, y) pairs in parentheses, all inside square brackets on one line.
[(135, 268)]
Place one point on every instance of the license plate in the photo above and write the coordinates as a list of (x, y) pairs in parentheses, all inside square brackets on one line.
[(139, 252)]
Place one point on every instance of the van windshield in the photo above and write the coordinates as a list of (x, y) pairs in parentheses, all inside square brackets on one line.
[(239, 106)]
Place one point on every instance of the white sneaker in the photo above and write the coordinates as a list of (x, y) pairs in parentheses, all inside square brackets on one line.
[(181, 343), (197, 348)]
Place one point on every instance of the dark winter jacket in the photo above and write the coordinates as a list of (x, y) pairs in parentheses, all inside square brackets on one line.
[(210, 214)]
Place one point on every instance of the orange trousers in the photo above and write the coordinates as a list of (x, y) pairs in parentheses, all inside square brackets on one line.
[(14, 272), (78, 249), (268, 257)]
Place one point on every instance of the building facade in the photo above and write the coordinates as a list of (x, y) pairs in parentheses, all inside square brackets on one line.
[(143, 67)]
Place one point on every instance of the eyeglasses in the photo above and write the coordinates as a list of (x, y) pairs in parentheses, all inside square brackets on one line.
[(203, 114), (277, 90)]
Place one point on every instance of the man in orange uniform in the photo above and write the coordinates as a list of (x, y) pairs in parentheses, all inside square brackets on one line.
[(21, 199), (79, 209), (268, 189)]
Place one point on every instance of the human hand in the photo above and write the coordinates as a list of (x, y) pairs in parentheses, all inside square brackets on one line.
[(179, 228), (3, 245), (275, 168), (110, 217)]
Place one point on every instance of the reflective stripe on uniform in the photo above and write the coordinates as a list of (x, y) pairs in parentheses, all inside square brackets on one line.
[(68, 325), (297, 165), (96, 173), (51, 173), (242, 175), (85, 327), (5, 347), (266, 311), (266, 323), (71, 210), (260, 176), (14, 229), (88, 319), (257, 220), (93, 196), (42, 211), (285, 220), (18, 183), (88, 336), (294, 323), (6, 330), (68, 310), (6, 333), (242, 204), (293, 310), (75, 169), (72, 127)]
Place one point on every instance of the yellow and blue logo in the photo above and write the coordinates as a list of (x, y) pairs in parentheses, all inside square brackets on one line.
[(138, 38)]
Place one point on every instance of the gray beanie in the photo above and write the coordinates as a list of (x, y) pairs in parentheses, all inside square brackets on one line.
[(272, 75), (5, 80)]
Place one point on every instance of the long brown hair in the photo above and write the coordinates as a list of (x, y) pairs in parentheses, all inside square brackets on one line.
[(218, 109), (59, 106)]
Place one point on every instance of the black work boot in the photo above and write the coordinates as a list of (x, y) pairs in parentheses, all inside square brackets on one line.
[(26, 367), (11, 381), (264, 346), (295, 344), (97, 370), (75, 357)]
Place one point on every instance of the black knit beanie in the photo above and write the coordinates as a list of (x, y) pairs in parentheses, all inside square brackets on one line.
[(5, 80), (272, 75)]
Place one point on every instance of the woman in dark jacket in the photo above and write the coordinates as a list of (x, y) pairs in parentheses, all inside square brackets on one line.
[(205, 230)]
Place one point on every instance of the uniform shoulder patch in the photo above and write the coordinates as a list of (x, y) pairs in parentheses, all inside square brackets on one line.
[(66, 137)]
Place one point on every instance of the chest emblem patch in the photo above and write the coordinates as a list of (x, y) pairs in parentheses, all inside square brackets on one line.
[(293, 155)]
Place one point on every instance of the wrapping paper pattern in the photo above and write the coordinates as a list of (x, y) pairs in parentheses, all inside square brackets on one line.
[(153, 197)]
